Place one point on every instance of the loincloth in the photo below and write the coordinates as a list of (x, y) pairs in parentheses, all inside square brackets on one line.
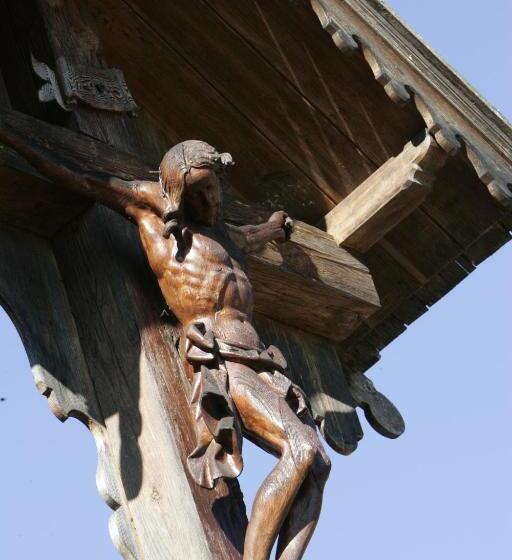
[(218, 430)]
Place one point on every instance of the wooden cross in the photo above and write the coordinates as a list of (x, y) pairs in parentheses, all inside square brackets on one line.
[(89, 313)]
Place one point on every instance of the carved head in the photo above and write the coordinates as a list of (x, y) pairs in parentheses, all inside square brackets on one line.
[(191, 174)]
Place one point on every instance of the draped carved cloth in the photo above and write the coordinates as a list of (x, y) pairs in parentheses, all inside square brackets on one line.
[(218, 451)]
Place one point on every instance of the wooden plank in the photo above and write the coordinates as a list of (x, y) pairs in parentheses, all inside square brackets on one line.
[(177, 106), (487, 244), (433, 290), (460, 205), (506, 221), (420, 246), (410, 310), (402, 63), (387, 197), (359, 357), (314, 366), (290, 37), (393, 283), (322, 290), (385, 332), (29, 202), (316, 147)]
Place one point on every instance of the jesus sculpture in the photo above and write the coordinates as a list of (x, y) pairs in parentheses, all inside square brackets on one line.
[(239, 386)]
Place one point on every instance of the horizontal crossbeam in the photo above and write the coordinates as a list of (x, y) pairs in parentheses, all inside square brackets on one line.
[(310, 283)]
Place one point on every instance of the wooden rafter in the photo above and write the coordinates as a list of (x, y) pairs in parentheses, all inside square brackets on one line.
[(387, 197)]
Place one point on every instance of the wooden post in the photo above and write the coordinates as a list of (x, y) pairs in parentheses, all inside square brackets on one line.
[(135, 369)]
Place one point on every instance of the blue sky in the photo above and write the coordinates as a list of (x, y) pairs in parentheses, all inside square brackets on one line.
[(441, 491)]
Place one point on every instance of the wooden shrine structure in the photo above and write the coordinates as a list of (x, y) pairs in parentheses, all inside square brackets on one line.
[(397, 175)]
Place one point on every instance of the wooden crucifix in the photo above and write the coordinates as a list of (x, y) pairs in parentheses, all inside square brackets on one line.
[(239, 385), (164, 439)]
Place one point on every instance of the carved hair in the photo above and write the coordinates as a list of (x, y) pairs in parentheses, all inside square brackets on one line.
[(177, 163)]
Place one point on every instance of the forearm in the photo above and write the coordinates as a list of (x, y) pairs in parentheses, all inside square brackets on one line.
[(252, 238)]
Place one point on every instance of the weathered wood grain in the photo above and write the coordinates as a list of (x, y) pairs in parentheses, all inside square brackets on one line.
[(290, 38), (319, 288), (408, 70), (29, 202), (255, 109), (314, 366), (387, 197)]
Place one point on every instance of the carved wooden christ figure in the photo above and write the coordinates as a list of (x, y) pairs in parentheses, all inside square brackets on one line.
[(239, 386)]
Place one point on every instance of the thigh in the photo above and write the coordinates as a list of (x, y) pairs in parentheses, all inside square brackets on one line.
[(266, 417), (259, 407)]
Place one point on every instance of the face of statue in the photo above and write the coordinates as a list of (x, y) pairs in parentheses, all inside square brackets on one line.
[(203, 196)]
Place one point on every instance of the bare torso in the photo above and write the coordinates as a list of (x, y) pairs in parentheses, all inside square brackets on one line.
[(209, 286)]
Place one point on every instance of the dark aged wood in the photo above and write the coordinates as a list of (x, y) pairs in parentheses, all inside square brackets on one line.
[(293, 47), (258, 114), (201, 276), (380, 412)]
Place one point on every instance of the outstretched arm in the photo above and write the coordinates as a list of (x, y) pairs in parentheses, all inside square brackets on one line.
[(252, 238), (126, 197)]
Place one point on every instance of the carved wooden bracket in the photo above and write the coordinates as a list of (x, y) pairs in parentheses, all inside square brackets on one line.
[(381, 413), (100, 88), (389, 195), (455, 115)]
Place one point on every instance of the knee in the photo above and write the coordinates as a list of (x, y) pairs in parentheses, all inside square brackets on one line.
[(303, 454), (321, 469)]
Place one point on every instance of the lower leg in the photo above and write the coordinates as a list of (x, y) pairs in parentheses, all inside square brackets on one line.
[(302, 519), (271, 506)]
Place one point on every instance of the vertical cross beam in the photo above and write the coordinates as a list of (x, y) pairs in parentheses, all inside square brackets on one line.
[(130, 353)]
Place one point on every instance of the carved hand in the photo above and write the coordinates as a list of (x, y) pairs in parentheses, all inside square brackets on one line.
[(286, 223)]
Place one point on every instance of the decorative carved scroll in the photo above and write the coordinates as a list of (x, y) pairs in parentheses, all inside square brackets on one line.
[(407, 70), (381, 413), (100, 88)]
